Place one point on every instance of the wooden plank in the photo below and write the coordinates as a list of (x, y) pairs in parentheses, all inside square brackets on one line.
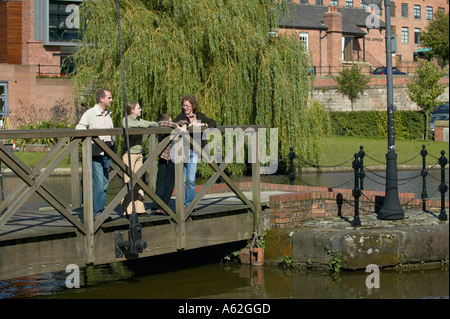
[(153, 166), (136, 177), (36, 185), (16, 134), (14, 33), (75, 185), (256, 184), (179, 202), (88, 212), (3, 32)]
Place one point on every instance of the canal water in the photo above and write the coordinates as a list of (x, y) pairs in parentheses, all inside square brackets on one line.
[(205, 273), (189, 275)]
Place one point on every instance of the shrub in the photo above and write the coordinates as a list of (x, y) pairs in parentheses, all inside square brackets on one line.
[(373, 124)]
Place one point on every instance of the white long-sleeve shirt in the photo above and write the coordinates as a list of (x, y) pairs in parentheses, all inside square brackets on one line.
[(96, 118)]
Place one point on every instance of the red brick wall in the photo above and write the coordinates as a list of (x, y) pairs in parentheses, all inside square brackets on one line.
[(333, 20), (439, 130), (374, 42), (25, 90), (305, 202)]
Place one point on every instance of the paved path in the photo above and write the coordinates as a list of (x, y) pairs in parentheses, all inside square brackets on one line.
[(370, 221)]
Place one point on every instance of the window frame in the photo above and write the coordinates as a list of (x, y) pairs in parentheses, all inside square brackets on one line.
[(404, 10), (42, 28), (429, 13), (405, 35), (417, 12), (417, 35), (304, 37)]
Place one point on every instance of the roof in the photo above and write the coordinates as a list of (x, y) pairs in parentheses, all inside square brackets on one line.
[(304, 16)]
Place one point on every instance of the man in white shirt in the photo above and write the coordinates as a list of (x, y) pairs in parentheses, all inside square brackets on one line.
[(99, 117)]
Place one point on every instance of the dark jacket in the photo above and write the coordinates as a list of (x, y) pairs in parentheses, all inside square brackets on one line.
[(200, 117)]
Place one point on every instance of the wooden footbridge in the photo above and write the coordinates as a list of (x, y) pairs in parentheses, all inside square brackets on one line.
[(65, 232)]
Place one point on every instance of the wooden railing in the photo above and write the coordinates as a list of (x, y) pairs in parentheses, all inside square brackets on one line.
[(70, 140)]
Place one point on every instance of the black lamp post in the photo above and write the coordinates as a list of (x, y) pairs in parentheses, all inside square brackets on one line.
[(391, 209)]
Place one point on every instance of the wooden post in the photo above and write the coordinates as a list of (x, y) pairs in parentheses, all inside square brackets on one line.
[(153, 166), (179, 196), (88, 209), (256, 181), (75, 179)]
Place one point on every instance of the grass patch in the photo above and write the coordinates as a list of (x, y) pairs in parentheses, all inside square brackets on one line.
[(340, 149), (31, 159)]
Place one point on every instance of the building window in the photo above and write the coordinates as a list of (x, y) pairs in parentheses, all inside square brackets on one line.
[(63, 21), (404, 10), (304, 1), (304, 39), (417, 35), (392, 9), (349, 3), (363, 6), (404, 35), (57, 22), (430, 13), (334, 3), (319, 1), (416, 12)]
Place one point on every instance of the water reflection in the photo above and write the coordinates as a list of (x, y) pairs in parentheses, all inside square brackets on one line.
[(187, 276), (230, 281)]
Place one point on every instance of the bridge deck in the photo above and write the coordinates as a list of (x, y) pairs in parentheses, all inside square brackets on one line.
[(36, 240), (47, 221)]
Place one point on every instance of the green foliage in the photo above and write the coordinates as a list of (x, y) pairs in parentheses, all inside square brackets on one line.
[(218, 50), (335, 263), (42, 125), (424, 88), (288, 262), (373, 124), (436, 37), (352, 83)]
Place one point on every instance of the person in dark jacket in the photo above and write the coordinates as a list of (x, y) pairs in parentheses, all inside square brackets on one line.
[(191, 113), (165, 178)]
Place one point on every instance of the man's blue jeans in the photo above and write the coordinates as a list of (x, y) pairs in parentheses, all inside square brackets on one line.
[(100, 175), (190, 169)]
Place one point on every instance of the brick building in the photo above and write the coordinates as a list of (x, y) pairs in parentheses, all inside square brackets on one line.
[(336, 31), (36, 37)]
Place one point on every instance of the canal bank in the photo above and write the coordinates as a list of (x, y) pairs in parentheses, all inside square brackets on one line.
[(332, 241)]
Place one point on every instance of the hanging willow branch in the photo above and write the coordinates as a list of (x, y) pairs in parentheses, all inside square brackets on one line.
[(219, 50)]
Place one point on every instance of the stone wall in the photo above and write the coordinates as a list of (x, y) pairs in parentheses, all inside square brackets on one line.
[(375, 98), (288, 210)]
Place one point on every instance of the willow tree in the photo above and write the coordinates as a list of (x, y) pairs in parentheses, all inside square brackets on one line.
[(219, 50)]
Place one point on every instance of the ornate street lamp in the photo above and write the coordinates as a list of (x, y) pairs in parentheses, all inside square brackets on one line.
[(391, 209)]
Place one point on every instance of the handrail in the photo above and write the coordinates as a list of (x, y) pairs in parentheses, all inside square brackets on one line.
[(33, 180)]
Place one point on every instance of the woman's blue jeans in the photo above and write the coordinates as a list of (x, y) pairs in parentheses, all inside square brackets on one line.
[(190, 168), (100, 175)]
